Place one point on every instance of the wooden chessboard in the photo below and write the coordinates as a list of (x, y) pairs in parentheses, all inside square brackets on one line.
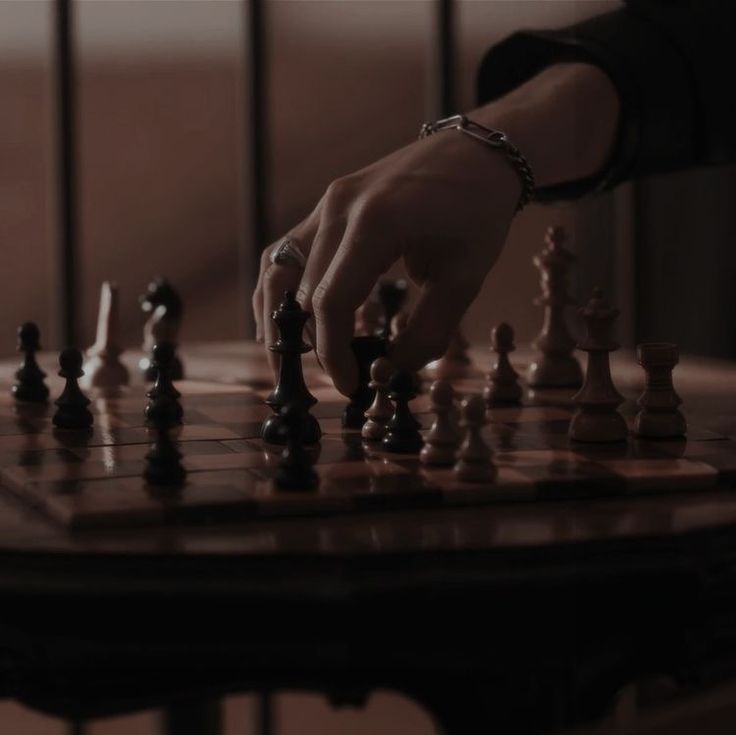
[(84, 480)]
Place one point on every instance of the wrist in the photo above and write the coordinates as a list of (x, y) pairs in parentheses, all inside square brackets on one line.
[(564, 120)]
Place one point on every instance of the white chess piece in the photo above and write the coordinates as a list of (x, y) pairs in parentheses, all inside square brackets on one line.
[(103, 368), (503, 381), (556, 366), (659, 416), (474, 458), (596, 418), (443, 438), (382, 409)]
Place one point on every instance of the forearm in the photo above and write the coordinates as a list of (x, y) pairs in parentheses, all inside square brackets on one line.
[(564, 120)]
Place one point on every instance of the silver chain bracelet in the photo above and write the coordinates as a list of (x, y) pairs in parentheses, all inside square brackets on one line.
[(493, 138)]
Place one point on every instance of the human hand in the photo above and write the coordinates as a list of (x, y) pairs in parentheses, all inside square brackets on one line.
[(442, 204)]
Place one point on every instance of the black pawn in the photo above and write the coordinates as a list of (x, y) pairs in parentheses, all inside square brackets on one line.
[(163, 462), (30, 385), (295, 470), (290, 388), (392, 295), (402, 430), (366, 350), (72, 411), (161, 293), (163, 408)]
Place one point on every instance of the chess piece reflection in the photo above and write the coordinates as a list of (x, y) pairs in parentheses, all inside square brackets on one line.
[(163, 306), (294, 471), (30, 385), (163, 461)]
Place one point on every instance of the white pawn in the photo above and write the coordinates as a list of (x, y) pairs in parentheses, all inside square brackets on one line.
[(474, 458), (103, 368), (503, 381), (659, 416), (596, 418), (382, 408), (442, 440)]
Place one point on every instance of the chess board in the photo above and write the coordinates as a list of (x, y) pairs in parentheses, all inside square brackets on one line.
[(94, 480)]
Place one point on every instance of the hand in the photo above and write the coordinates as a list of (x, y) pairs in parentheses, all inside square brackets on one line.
[(443, 204)]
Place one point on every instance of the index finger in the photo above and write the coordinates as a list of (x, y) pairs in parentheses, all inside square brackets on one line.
[(359, 262)]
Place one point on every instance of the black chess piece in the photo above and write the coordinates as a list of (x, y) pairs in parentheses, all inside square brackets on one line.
[(163, 408), (163, 307), (392, 295), (290, 388), (295, 471), (366, 349), (30, 385), (402, 430), (163, 461), (72, 411)]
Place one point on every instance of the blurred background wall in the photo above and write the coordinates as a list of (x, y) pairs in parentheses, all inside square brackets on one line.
[(164, 180)]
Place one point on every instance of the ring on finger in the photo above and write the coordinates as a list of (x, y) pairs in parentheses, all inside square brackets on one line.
[(287, 252)]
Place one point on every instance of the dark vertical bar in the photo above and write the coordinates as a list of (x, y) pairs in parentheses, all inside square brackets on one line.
[(265, 717), (64, 70), (444, 71), (257, 101)]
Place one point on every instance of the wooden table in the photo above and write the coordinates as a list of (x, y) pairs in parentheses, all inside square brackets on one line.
[(526, 617)]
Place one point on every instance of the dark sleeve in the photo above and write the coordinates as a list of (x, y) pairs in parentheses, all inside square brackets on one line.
[(670, 62)]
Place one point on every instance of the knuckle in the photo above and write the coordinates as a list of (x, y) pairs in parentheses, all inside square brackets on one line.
[(323, 300), (338, 190), (371, 210)]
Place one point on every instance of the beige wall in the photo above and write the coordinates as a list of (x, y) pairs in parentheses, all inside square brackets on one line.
[(163, 189)]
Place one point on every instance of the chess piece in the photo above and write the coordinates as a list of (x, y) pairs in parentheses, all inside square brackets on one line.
[(474, 458), (596, 418), (29, 385), (367, 350), (368, 318), (392, 296), (443, 438), (71, 406), (503, 381), (398, 325), (290, 387), (163, 409), (163, 306), (294, 471), (103, 368), (402, 429), (381, 410), (659, 416), (556, 367), (455, 363), (163, 461)]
